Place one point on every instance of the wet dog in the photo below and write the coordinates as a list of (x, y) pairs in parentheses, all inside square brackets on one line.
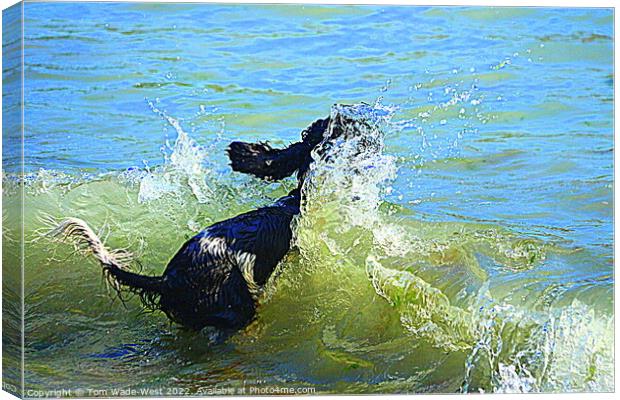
[(216, 277)]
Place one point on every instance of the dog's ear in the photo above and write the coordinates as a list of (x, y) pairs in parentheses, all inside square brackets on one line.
[(265, 162)]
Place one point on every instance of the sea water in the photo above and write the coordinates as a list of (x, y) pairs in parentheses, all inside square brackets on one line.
[(474, 252)]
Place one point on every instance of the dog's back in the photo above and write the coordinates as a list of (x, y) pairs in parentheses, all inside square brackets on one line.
[(216, 277)]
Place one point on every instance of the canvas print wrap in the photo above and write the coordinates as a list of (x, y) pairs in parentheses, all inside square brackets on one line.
[(235, 199)]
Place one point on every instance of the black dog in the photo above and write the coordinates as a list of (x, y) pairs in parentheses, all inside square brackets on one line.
[(216, 276)]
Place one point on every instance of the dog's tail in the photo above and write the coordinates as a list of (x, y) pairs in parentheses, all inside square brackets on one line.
[(115, 269), (265, 162)]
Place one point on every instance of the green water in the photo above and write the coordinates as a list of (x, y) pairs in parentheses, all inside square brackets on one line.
[(474, 253)]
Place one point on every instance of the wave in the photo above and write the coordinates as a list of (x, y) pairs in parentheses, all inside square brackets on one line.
[(369, 284)]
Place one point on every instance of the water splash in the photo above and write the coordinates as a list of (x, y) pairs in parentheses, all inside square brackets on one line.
[(351, 175), (185, 163), (508, 347)]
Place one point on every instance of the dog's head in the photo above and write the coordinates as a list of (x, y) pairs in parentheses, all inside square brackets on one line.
[(351, 128)]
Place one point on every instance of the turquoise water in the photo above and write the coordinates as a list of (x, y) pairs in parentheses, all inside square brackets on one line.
[(481, 256)]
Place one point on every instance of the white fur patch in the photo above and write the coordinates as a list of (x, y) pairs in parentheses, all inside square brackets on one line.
[(245, 263), (218, 248)]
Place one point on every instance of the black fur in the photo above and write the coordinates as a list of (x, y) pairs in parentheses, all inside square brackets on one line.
[(207, 287)]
